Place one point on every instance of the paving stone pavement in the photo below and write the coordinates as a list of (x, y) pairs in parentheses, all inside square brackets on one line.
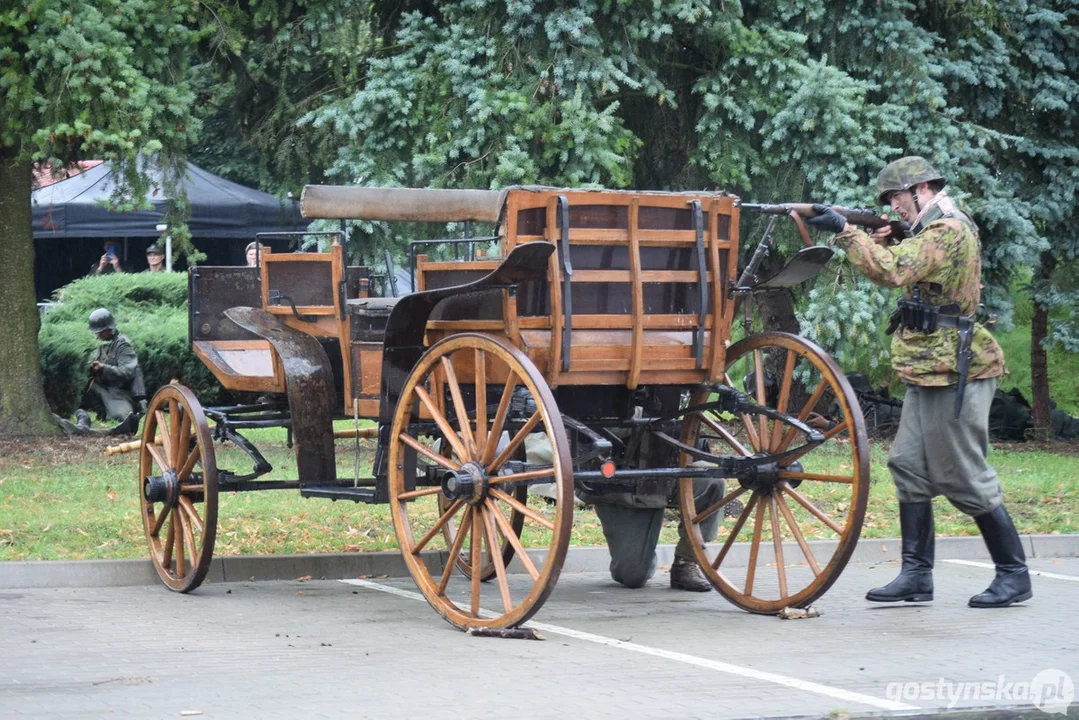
[(329, 649)]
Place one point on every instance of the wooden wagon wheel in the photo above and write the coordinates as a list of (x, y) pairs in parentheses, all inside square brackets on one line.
[(480, 483), (820, 494), (178, 488)]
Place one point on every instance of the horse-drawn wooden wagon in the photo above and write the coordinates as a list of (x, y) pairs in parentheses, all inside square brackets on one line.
[(594, 355)]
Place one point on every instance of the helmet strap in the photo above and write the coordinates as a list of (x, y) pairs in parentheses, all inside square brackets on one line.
[(914, 194)]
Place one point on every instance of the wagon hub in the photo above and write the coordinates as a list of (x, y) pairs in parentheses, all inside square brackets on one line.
[(468, 484), (163, 488), (764, 477)]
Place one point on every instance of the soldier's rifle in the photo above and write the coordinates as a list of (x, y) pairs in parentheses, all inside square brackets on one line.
[(862, 217)]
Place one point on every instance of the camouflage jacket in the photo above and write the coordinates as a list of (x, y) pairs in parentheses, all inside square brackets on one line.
[(119, 360), (943, 259)]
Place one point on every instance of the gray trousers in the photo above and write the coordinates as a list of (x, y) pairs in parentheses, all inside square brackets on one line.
[(110, 403), (934, 454), (633, 533)]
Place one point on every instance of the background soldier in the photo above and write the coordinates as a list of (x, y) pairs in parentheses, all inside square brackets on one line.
[(155, 258), (943, 436)]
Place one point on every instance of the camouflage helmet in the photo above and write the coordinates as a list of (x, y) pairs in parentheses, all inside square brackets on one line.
[(101, 320), (903, 174)]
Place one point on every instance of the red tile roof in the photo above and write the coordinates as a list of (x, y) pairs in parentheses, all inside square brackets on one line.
[(44, 176)]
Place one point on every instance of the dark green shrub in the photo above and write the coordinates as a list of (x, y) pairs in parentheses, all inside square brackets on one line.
[(150, 309)]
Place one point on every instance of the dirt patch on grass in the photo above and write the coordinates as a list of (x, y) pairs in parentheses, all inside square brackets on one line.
[(50, 451)]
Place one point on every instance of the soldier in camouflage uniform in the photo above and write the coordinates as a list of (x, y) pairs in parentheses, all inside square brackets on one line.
[(934, 453)]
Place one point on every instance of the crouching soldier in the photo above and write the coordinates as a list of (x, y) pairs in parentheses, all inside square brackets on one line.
[(115, 384)]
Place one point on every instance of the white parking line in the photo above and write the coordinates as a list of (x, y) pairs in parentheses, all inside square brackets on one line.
[(828, 691), (1055, 576)]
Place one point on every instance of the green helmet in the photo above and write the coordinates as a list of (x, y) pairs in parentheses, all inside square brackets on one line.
[(100, 320), (903, 174)]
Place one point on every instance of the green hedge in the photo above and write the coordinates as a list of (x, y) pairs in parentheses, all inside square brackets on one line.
[(150, 309)]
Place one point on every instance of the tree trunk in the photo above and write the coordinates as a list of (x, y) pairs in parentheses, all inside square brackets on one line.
[(23, 409), (776, 309), (1039, 361)]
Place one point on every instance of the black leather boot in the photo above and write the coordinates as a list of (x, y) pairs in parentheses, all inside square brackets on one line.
[(915, 581), (1012, 583)]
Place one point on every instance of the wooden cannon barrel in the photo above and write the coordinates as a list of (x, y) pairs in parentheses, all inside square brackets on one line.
[(404, 204)]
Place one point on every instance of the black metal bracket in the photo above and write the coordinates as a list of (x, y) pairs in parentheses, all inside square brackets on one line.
[(567, 274), (600, 446), (228, 419), (702, 284)]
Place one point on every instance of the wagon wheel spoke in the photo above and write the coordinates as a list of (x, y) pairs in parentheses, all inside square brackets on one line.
[(514, 443), (428, 453), (188, 536), (511, 537), (480, 385), (170, 538), (189, 465), (455, 549), (500, 419), (784, 396), (813, 509), (811, 403), (192, 513), (437, 527), (717, 506), (443, 424), (522, 508), (522, 476), (178, 545), (463, 423), (754, 548), (182, 448), (777, 544), (762, 397), (797, 532), (166, 433), (155, 453), (160, 521), (725, 434), (500, 568), (476, 546), (172, 446), (742, 517)]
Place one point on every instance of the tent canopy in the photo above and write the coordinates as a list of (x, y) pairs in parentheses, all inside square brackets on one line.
[(220, 209)]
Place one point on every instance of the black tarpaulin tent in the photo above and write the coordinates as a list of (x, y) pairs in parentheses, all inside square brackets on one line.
[(220, 209), (71, 221)]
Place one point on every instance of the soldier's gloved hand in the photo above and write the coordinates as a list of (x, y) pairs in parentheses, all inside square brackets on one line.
[(827, 219)]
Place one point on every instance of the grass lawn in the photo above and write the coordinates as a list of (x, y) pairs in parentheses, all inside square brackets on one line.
[(65, 499)]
